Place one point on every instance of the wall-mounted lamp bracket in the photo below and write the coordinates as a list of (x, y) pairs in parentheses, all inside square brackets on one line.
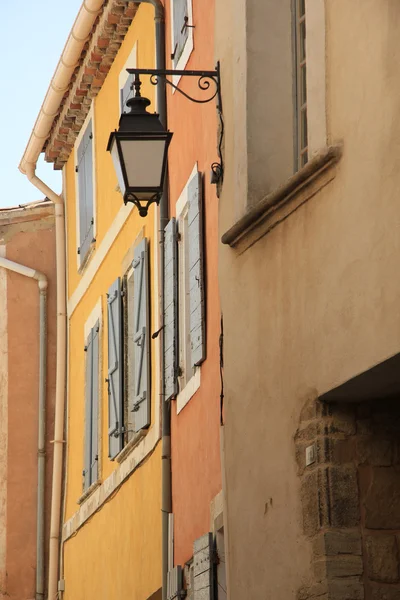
[(207, 81)]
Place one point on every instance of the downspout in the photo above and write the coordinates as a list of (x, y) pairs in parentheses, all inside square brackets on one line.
[(70, 56), (166, 477), (40, 511), (55, 515)]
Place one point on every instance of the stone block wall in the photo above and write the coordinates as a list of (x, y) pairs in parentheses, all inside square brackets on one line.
[(348, 458)]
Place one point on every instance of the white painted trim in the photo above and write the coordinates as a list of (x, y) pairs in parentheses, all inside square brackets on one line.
[(189, 46), (3, 422), (98, 257), (193, 384), (130, 63), (95, 315), (188, 391), (90, 116), (316, 75)]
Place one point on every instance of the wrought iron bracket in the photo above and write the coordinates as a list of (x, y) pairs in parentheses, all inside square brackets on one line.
[(207, 81)]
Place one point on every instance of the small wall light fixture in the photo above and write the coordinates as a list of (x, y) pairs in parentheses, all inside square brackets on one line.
[(139, 152), (139, 147)]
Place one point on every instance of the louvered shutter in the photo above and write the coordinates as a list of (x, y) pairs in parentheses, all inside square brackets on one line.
[(175, 583), (95, 405), (85, 191), (180, 31), (196, 272), (141, 327), (115, 370), (203, 568), (170, 311), (88, 410), (126, 93)]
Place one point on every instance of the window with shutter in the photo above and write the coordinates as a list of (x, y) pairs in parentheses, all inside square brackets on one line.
[(84, 169), (126, 93), (115, 369), (141, 339), (181, 32), (170, 311), (125, 80), (90, 472), (191, 294)]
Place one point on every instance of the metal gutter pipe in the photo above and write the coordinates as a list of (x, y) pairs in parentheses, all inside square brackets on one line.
[(40, 510), (166, 477), (55, 515), (69, 59)]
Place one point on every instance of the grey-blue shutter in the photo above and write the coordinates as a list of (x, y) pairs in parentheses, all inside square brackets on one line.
[(170, 311), (175, 583), (181, 32), (94, 471), (85, 184), (196, 272), (88, 410), (141, 328), (126, 93), (203, 568), (115, 370)]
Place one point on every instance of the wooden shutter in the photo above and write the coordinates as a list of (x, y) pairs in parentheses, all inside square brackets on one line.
[(170, 311), (196, 272), (141, 328), (203, 568), (180, 31), (94, 470), (126, 93), (85, 191), (115, 370), (88, 411), (175, 583)]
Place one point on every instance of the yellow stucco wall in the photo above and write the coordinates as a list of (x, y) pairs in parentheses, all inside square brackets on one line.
[(117, 552)]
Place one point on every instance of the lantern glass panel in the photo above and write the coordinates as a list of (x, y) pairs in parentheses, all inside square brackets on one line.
[(144, 160), (117, 166)]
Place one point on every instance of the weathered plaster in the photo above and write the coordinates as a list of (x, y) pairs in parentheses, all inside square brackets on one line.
[(3, 423)]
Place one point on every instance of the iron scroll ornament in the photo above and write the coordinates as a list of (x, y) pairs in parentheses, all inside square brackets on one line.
[(206, 81)]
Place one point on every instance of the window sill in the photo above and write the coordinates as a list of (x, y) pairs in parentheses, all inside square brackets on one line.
[(188, 391), (280, 203), (130, 445), (88, 492), (85, 261)]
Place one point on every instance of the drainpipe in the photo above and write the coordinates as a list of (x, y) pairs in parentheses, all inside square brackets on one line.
[(55, 515), (40, 515), (166, 478)]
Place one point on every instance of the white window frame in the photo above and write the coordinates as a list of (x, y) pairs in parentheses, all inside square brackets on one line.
[(80, 261), (130, 63), (95, 316), (187, 387), (189, 45)]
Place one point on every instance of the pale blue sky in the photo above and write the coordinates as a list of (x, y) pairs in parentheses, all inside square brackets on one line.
[(33, 36)]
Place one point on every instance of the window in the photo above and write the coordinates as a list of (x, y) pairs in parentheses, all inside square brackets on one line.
[(301, 83), (129, 352), (84, 170), (184, 318), (91, 472), (181, 32)]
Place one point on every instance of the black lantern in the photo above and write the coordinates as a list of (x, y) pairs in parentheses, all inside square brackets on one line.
[(139, 152)]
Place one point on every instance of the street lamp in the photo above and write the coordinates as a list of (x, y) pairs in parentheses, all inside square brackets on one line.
[(139, 152)]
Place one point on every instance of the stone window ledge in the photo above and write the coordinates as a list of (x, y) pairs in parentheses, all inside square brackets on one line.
[(88, 492), (280, 203)]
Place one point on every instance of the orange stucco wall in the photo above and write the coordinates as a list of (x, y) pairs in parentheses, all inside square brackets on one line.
[(196, 478), (31, 243)]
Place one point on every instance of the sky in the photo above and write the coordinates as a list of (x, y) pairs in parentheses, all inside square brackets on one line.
[(33, 36)]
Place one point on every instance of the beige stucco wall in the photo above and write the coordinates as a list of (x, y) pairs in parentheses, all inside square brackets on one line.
[(27, 236), (318, 296)]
